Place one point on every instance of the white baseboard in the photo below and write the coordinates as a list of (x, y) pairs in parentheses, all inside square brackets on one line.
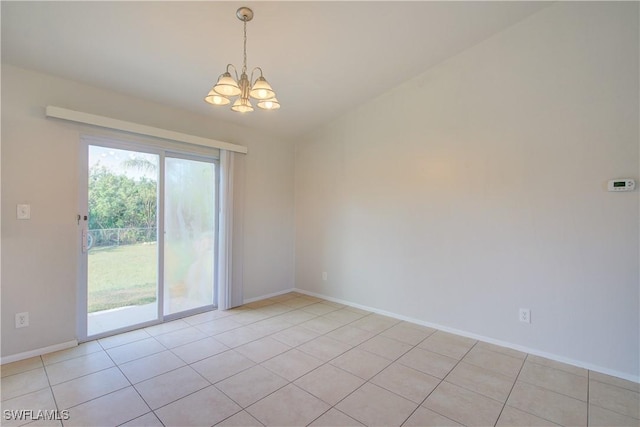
[(38, 352), (578, 363), (275, 294)]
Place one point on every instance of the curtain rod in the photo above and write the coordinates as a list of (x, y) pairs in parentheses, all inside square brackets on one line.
[(108, 122)]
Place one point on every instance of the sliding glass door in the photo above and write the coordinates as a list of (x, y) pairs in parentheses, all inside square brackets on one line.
[(120, 239), (190, 234), (148, 236)]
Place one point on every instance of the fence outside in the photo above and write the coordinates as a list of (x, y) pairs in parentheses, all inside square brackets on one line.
[(107, 237)]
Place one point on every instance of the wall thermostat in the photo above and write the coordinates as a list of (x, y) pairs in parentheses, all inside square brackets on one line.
[(624, 184)]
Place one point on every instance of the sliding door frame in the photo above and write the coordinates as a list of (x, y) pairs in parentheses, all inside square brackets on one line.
[(216, 162), (117, 142)]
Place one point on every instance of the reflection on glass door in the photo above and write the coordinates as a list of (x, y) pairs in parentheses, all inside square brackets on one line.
[(189, 244), (120, 239)]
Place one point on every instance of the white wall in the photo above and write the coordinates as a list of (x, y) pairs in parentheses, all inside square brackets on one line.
[(478, 188), (40, 166)]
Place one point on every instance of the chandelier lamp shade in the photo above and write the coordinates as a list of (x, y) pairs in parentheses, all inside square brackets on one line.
[(245, 87)]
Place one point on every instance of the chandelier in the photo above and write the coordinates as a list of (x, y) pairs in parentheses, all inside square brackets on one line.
[(244, 87)]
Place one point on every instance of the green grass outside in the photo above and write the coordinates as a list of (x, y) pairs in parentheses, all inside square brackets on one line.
[(121, 276)]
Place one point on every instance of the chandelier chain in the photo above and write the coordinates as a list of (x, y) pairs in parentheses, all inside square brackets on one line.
[(244, 67)]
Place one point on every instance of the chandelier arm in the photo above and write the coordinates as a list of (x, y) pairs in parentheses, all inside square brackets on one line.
[(252, 71), (234, 70)]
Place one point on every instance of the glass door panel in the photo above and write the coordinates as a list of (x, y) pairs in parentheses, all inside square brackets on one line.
[(120, 239), (189, 244)]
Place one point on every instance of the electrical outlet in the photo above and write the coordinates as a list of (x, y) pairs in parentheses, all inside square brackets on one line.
[(324, 276), (22, 319), (23, 212), (525, 315)]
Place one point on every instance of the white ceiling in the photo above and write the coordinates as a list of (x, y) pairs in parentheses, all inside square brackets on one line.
[(322, 58)]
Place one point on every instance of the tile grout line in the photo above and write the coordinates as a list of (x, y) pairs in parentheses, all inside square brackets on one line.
[(324, 362), (172, 370), (70, 358), (33, 391), (512, 387), (614, 385), (525, 411), (335, 409), (562, 371), (130, 385), (441, 380), (117, 365), (78, 357), (292, 326), (556, 391), (191, 393), (55, 401), (290, 382), (120, 345), (23, 372), (337, 367), (243, 409), (368, 381)]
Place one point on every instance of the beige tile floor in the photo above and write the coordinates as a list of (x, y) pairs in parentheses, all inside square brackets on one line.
[(299, 360)]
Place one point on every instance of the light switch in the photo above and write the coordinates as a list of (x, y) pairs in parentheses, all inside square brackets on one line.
[(24, 212)]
